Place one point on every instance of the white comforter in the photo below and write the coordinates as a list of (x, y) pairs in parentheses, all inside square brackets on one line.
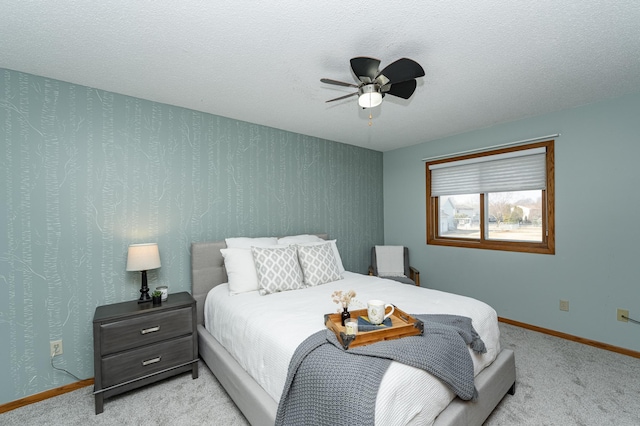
[(262, 333)]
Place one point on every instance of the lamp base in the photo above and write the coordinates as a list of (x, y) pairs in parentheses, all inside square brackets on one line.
[(144, 290)]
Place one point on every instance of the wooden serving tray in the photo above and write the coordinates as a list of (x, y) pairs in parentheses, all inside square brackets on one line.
[(402, 325)]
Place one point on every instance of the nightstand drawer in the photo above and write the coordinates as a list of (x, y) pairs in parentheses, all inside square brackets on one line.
[(147, 360), (146, 329)]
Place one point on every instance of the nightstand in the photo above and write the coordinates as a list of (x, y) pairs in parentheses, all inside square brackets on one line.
[(135, 344)]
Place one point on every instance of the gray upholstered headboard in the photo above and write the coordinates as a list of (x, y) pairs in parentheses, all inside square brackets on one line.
[(207, 271)]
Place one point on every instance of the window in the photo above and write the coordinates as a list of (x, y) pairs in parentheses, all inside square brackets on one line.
[(497, 200)]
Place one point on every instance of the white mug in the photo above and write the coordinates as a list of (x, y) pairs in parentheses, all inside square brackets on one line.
[(376, 311)]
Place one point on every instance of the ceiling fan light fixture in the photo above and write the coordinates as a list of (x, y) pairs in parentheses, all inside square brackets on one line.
[(369, 96)]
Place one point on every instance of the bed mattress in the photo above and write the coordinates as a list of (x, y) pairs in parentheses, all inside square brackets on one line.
[(263, 332)]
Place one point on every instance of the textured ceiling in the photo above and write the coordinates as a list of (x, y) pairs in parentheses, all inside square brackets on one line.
[(486, 62)]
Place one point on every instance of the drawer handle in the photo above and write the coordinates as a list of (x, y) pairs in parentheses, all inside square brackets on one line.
[(150, 330), (151, 361)]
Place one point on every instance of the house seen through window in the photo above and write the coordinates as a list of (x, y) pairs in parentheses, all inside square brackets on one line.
[(500, 200)]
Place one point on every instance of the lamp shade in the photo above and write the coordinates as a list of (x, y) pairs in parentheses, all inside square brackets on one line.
[(143, 257), (369, 96)]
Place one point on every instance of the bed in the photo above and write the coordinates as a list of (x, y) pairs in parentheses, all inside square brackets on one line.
[(253, 382)]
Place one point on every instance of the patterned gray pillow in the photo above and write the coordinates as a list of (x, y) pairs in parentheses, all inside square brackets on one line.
[(318, 264), (277, 268)]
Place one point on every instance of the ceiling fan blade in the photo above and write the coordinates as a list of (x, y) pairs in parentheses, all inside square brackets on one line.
[(403, 69), (342, 97), (404, 89), (337, 83), (365, 68)]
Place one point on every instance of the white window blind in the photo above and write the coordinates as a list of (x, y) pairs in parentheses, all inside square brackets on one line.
[(512, 171)]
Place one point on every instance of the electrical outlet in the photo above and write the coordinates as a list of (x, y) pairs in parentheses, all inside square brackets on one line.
[(55, 348), (623, 315), (564, 305)]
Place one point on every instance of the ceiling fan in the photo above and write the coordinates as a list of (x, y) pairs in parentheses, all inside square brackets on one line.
[(397, 79)]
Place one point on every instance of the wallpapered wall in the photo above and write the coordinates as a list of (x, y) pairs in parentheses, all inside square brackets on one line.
[(85, 173)]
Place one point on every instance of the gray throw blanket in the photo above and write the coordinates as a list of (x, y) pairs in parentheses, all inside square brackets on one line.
[(329, 385)]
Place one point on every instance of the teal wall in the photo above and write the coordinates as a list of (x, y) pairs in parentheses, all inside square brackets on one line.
[(85, 173), (596, 266)]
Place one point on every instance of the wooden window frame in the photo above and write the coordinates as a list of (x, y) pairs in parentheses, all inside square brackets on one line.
[(547, 246)]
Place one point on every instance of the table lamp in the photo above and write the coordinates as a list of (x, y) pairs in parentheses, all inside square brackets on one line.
[(143, 257)]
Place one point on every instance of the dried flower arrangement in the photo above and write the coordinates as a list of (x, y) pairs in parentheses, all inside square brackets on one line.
[(343, 298)]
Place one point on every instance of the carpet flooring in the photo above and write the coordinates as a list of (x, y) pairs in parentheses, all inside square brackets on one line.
[(559, 382)]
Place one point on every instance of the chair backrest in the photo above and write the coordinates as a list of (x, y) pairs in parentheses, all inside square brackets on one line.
[(374, 261)]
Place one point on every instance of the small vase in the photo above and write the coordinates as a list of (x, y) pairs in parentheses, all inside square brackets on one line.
[(344, 315), (157, 300)]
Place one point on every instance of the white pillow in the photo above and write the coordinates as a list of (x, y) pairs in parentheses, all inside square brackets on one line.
[(277, 269), (241, 270), (318, 264), (300, 239), (247, 243), (336, 253)]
